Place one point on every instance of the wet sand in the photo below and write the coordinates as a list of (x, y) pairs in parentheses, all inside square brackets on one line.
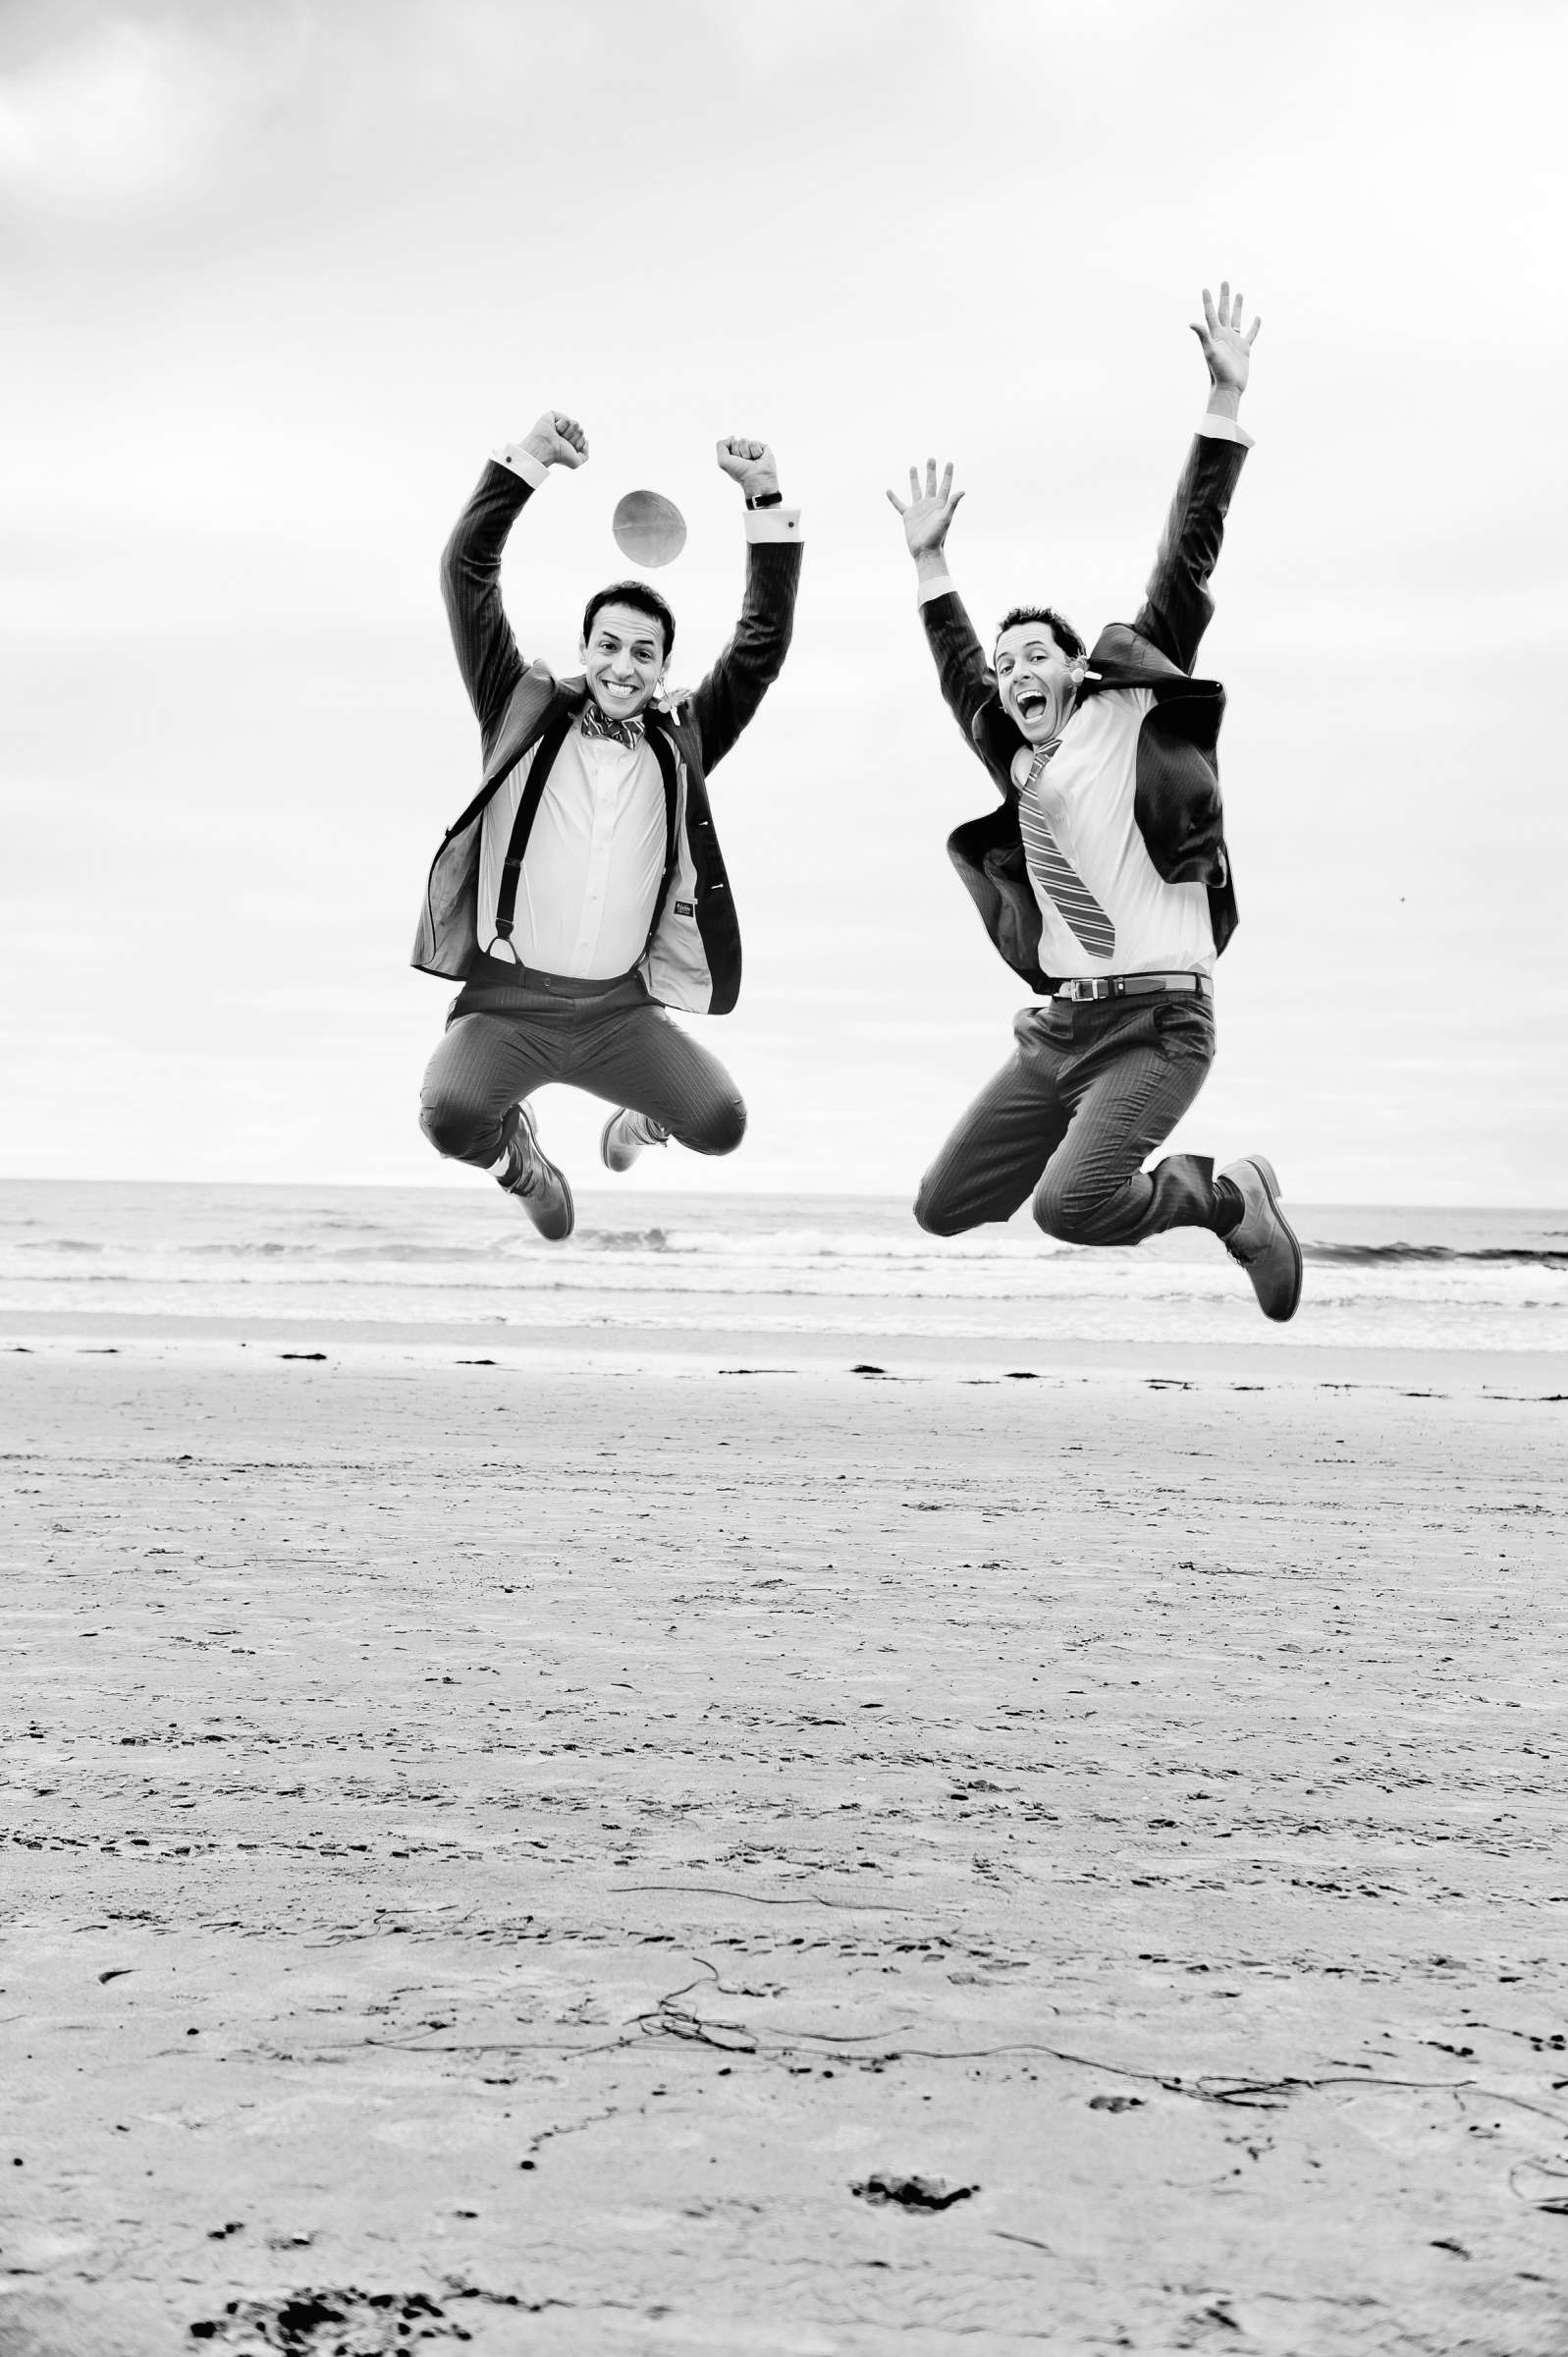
[(507, 1849)]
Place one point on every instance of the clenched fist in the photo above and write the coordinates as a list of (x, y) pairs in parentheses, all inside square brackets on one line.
[(751, 464), (556, 440)]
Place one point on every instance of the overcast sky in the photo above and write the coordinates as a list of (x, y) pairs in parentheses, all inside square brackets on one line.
[(278, 277)]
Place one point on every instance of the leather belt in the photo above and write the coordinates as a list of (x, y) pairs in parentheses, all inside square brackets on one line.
[(1132, 986), (508, 973)]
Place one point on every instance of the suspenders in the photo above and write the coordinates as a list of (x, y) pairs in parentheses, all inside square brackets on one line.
[(548, 745), (664, 753)]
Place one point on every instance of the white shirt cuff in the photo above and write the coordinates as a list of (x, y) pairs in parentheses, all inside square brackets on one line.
[(522, 462), (772, 524), (1223, 429), (940, 585)]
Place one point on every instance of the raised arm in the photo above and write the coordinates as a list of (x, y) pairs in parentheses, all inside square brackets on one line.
[(754, 657), (967, 682), (470, 563), (1177, 607)]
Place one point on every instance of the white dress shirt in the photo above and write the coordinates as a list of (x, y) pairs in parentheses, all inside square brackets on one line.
[(590, 876), (1085, 794), (591, 872)]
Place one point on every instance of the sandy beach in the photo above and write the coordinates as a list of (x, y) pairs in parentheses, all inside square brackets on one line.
[(714, 1751), (522, 1845)]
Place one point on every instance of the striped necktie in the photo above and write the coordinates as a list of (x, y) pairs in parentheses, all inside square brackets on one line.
[(1068, 894)]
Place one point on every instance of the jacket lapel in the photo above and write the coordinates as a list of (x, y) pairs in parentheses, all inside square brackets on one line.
[(664, 753), (536, 692)]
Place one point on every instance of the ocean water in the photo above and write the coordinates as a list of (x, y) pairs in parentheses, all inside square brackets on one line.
[(849, 1266)]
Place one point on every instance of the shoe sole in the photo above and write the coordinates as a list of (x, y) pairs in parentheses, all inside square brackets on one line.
[(526, 1121), (619, 1170), (604, 1147), (1270, 1184), (560, 1236)]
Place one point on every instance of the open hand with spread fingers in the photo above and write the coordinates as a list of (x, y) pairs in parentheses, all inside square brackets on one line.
[(927, 513), (557, 440), (1226, 349), (750, 464)]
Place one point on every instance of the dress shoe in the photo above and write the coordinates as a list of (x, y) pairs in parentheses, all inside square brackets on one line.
[(1262, 1240), (537, 1185), (625, 1133)]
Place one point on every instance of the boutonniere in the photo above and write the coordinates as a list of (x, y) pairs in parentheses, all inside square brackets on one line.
[(668, 702)]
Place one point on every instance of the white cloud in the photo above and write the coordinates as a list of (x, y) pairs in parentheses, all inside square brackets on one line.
[(122, 111)]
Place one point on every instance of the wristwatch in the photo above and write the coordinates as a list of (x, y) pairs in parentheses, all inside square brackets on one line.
[(767, 499)]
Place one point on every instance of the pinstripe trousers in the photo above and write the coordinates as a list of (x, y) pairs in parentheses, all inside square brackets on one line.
[(1090, 1090), (618, 1045)]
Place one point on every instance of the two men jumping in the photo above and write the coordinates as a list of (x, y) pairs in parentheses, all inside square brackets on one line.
[(581, 893)]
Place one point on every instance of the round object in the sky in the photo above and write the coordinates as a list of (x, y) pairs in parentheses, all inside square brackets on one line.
[(649, 528)]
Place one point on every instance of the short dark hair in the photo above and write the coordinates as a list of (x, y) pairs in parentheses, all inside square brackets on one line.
[(641, 599), (1062, 630)]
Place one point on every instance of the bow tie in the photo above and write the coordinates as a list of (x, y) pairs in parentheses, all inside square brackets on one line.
[(595, 723)]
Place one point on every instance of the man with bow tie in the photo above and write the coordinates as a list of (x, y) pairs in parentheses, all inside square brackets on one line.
[(582, 892), (1105, 882)]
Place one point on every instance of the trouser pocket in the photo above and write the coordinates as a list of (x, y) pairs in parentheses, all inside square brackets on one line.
[(1184, 1027)]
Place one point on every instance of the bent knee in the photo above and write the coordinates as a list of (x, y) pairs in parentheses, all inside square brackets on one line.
[(939, 1215), (450, 1125), (1072, 1215), (721, 1130)]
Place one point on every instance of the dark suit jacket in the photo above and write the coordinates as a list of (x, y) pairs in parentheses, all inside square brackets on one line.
[(693, 959), (1177, 800)]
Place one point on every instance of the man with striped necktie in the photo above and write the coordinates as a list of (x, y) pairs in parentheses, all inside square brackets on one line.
[(1105, 882)]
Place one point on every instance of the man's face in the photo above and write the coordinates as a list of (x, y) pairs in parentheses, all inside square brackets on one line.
[(1036, 680), (623, 656)]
